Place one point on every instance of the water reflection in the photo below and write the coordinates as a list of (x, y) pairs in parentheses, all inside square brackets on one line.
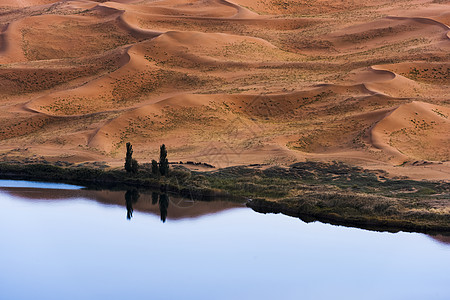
[(163, 206), (443, 239), (172, 207), (155, 197), (131, 197), (46, 249)]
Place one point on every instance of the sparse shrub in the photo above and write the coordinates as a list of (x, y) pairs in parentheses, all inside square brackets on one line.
[(425, 191)]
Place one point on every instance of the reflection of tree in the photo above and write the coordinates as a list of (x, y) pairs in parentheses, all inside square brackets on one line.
[(163, 206), (131, 197), (155, 197)]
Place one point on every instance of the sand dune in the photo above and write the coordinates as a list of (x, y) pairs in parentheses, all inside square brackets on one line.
[(10, 49), (389, 31), (210, 8), (228, 82), (25, 3), (435, 12), (428, 72), (414, 131)]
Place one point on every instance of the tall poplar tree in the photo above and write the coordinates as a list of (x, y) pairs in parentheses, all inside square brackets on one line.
[(163, 162)]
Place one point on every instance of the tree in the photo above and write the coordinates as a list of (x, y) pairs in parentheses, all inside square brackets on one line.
[(155, 168), (129, 158), (131, 165), (134, 166), (163, 162)]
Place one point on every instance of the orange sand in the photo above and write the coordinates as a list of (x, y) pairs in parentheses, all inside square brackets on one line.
[(228, 82)]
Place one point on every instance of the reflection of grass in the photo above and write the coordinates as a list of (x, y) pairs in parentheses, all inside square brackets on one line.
[(341, 194), (331, 192), (351, 196)]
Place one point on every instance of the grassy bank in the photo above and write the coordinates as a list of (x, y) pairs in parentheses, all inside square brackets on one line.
[(340, 194), (358, 210), (181, 182), (333, 193)]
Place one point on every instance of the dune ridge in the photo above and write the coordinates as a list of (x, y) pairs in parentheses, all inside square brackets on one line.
[(228, 82)]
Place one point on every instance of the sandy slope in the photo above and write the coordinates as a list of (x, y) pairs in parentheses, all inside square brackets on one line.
[(415, 130), (228, 82)]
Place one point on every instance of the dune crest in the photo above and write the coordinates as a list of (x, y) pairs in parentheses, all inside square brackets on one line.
[(228, 82), (414, 131)]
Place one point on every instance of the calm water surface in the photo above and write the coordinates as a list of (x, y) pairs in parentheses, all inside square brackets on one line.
[(75, 244)]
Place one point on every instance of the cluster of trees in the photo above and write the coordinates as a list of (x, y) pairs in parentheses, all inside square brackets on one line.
[(158, 169), (161, 168)]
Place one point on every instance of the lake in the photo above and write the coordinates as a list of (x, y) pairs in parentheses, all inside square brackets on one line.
[(63, 242)]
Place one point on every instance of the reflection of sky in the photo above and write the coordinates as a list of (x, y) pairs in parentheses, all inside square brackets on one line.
[(83, 250), (38, 185)]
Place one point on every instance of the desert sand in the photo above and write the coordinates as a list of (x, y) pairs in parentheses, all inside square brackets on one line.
[(228, 82)]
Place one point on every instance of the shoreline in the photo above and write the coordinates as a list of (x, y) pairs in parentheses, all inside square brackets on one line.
[(361, 222), (330, 193)]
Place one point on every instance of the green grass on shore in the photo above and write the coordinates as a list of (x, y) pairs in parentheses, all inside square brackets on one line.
[(330, 192)]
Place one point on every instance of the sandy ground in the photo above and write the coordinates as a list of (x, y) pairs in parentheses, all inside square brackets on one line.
[(228, 82)]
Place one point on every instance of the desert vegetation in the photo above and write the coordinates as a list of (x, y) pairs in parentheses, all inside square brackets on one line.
[(260, 82)]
